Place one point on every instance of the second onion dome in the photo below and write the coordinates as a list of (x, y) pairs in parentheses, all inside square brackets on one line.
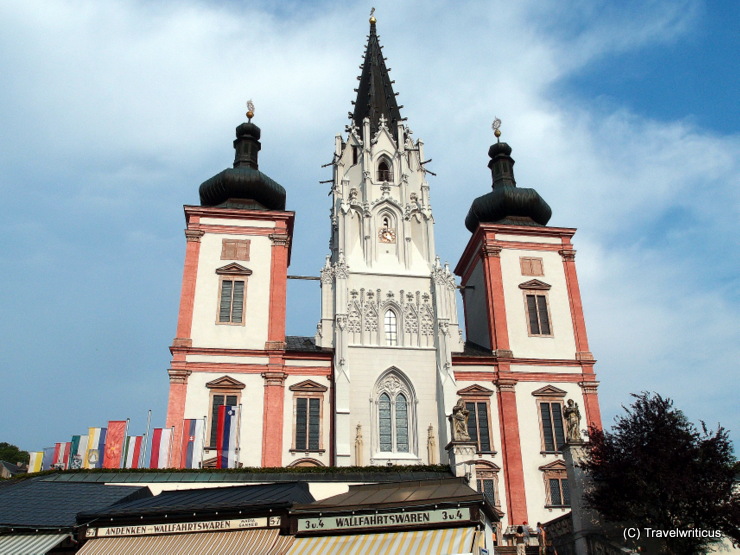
[(507, 203), (244, 186)]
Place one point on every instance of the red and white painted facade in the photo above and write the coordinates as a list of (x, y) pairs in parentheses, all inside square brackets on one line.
[(521, 369), (383, 261)]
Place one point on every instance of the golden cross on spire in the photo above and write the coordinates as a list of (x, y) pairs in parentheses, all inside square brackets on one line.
[(250, 109)]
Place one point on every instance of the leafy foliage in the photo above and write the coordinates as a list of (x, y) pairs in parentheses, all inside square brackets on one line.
[(656, 470), (12, 454)]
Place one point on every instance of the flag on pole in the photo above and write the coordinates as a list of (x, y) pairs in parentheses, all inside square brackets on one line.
[(161, 441), (132, 451), (95, 447), (226, 436), (114, 443), (74, 446), (61, 454), (192, 442), (36, 461), (78, 454), (48, 458)]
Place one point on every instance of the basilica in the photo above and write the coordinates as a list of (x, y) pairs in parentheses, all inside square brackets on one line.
[(391, 377)]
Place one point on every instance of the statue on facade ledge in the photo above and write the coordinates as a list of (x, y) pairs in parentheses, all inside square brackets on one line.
[(459, 421), (573, 422)]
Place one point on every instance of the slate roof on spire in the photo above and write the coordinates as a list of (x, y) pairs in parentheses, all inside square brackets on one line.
[(375, 96)]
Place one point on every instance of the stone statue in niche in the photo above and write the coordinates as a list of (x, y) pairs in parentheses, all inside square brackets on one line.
[(572, 422), (359, 444), (459, 421)]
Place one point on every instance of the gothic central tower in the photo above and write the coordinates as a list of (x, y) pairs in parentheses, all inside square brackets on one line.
[(388, 307)]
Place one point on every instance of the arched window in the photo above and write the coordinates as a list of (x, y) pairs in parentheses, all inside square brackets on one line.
[(384, 171), (395, 414), (391, 328)]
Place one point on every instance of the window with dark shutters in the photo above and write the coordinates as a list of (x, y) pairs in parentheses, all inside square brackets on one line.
[(478, 427), (539, 319), (553, 436)]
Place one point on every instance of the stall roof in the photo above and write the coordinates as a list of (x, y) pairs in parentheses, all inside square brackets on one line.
[(37, 503), (361, 475), (174, 502), (397, 494)]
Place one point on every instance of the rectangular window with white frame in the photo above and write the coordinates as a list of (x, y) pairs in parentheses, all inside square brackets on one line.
[(308, 407)]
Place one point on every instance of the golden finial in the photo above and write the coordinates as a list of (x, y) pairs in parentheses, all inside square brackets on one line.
[(250, 109), (372, 18), (496, 131)]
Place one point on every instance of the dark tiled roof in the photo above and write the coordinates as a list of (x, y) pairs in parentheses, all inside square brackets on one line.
[(375, 96), (300, 343), (13, 469), (362, 474), (209, 499), (36, 502), (475, 350), (406, 493)]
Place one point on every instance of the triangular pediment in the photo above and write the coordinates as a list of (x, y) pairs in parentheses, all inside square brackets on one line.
[(475, 390), (549, 391), (554, 465), (225, 382), (308, 386), (234, 269), (535, 284)]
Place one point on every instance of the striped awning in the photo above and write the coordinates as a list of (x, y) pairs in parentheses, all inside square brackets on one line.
[(239, 542), (420, 542), (30, 544)]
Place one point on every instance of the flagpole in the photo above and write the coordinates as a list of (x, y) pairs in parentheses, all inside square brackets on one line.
[(182, 436), (122, 458), (238, 433), (203, 444), (142, 457), (169, 453)]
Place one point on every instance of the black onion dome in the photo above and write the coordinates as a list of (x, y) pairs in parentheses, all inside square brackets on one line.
[(243, 182), (507, 203)]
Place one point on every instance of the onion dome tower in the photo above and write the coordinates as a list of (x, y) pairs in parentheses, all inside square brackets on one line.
[(507, 203), (244, 186)]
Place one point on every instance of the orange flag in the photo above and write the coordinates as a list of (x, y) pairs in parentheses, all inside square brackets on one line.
[(114, 443)]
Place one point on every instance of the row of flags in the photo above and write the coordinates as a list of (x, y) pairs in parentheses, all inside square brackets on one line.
[(112, 447)]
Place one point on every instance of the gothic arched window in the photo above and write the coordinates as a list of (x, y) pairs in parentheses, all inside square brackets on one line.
[(384, 171), (391, 328), (395, 414)]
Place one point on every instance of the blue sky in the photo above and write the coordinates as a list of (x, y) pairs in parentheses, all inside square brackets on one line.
[(623, 116)]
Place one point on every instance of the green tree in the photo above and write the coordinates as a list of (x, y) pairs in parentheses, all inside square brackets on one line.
[(12, 454), (656, 470)]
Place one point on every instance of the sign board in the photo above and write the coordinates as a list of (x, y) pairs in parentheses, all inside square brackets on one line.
[(183, 527), (384, 520)]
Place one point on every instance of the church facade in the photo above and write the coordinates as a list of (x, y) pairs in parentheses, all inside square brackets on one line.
[(387, 371)]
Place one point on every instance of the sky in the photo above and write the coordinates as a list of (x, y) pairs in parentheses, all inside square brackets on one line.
[(623, 116)]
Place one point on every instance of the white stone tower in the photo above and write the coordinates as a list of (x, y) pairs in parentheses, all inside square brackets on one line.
[(388, 307)]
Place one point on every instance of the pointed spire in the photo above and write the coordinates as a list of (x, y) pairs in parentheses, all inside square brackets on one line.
[(375, 96)]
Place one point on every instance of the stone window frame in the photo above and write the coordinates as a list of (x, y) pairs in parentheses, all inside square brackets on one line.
[(556, 471), (384, 174), (308, 389), (394, 387), (485, 471), (234, 273), (224, 386), (537, 288), (479, 394), (550, 395)]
